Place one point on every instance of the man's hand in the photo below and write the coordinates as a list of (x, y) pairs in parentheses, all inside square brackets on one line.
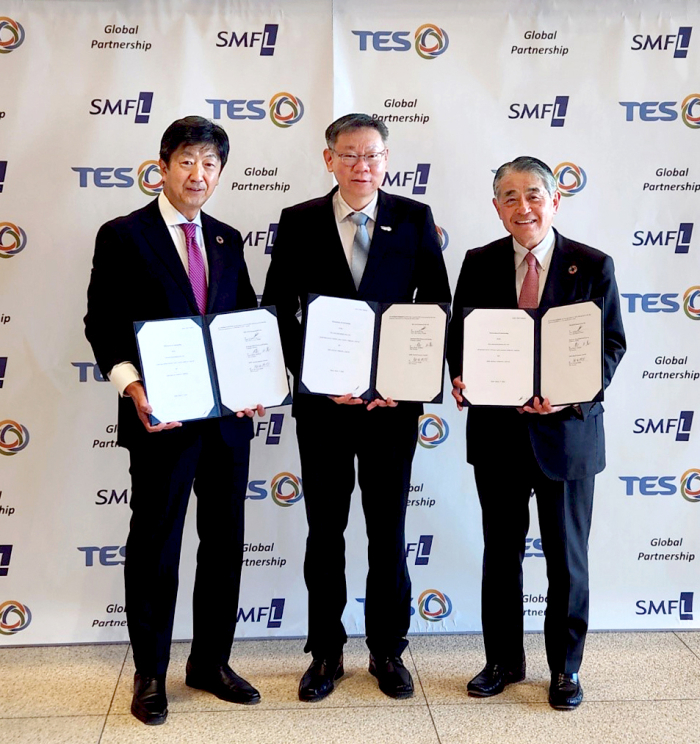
[(346, 400), (543, 407), (380, 403), (250, 412), (143, 408), (457, 387)]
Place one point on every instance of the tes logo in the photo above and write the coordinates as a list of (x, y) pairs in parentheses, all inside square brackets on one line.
[(429, 41), (665, 111), (432, 430), (13, 240), (11, 35), (664, 485), (284, 109), (665, 302), (285, 489), (149, 177), (14, 616)]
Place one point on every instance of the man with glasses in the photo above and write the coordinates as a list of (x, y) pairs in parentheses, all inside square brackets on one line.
[(361, 243)]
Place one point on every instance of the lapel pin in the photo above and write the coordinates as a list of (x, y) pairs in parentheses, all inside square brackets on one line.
[(385, 227), (573, 269), (220, 241)]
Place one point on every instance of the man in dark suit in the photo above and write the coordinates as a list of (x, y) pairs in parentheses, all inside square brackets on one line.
[(321, 247), (170, 260), (555, 450)]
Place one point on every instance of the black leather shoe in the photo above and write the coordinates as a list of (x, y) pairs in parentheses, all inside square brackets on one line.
[(149, 703), (565, 692), (493, 678), (222, 682), (319, 679), (393, 677)]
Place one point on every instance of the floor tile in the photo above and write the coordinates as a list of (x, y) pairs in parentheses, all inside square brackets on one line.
[(275, 668), (315, 725), (670, 722), (62, 730), (691, 639), (60, 680)]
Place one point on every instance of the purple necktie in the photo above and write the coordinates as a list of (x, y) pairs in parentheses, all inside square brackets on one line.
[(195, 266), (529, 294)]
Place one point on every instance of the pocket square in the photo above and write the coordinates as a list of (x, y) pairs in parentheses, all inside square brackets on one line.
[(385, 227)]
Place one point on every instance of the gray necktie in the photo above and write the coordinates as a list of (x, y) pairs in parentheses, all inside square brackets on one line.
[(360, 247)]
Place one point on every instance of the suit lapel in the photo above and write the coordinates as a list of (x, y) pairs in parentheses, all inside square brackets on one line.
[(155, 232), (501, 284), (216, 245), (333, 253), (560, 287)]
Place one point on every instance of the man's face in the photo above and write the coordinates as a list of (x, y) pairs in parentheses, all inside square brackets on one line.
[(191, 177), (525, 207), (358, 183)]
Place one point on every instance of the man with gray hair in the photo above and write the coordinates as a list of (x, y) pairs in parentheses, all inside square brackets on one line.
[(554, 450), (356, 242)]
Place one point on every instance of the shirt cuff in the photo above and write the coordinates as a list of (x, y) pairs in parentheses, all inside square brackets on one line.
[(122, 375)]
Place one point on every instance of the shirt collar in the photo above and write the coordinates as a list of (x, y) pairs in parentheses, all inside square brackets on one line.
[(171, 216), (343, 210), (542, 252)]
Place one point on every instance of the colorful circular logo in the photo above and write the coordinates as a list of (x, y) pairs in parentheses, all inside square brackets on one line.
[(431, 41), (434, 605), (16, 237), (443, 237), (285, 110), (690, 111), (691, 302), (432, 430), (286, 489), (150, 177), (11, 35), (13, 437), (14, 617), (570, 179), (690, 485)]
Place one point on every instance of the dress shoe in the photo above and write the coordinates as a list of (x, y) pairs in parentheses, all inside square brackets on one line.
[(149, 703), (565, 692), (493, 678), (393, 677), (318, 680), (222, 682)]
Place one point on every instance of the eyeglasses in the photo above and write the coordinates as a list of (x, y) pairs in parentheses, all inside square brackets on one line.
[(371, 158)]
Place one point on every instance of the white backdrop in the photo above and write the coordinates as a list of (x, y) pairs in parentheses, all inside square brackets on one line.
[(606, 93)]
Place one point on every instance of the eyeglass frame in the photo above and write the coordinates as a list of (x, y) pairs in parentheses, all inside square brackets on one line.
[(357, 158)]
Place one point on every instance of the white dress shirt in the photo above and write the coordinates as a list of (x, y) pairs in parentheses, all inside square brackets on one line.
[(543, 254), (125, 373), (346, 227)]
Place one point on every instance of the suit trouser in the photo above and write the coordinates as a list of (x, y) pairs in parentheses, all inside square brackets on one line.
[(163, 472), (564, 510), (384, 441)]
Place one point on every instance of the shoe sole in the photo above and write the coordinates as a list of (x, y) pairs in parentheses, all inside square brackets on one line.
[(148, 719), (196, 686), (318, 698)]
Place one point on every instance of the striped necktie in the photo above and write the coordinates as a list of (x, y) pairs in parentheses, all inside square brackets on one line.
[(195, 266)]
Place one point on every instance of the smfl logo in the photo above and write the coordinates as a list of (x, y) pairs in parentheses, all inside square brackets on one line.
[(432, 430), (542, 110), (13, 437), (422, 549), (680, 238), (13, 239), (271, 428), (141, 107), (267, 39), (434, 606), (273, 612), (683, 605), (665, 303), (429, 41), (664, 485), (682, 426), (680, 42), (267, 237), (665, 110), (11, 35), (149, 176), (14, 616), (418, 177), (284, 109)]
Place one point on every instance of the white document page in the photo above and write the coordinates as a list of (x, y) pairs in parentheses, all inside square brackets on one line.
[(571, 353), (338, 346), (499, 355), (174, 364), (249, 361), (411, 352)]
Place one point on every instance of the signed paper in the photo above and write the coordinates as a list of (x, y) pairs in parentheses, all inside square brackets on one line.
[(498, 357), (174, 364), (411, 352), (249, 361), (571, 353)]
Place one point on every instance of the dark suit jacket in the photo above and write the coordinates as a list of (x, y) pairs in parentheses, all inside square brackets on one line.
[(137, 274), (405, 264), (567, 445)]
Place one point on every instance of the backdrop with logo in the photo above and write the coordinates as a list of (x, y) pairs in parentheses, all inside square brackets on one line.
[(607, 94)]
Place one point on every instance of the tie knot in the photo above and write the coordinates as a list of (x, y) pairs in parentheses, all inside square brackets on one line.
[(531, 260), (359, 218), (190, 230)]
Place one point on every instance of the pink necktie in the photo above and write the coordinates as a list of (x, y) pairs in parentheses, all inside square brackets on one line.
[(195, 266), (529, 293)]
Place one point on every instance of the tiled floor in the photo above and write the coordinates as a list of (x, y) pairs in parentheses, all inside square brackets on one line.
[(641, 688)]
